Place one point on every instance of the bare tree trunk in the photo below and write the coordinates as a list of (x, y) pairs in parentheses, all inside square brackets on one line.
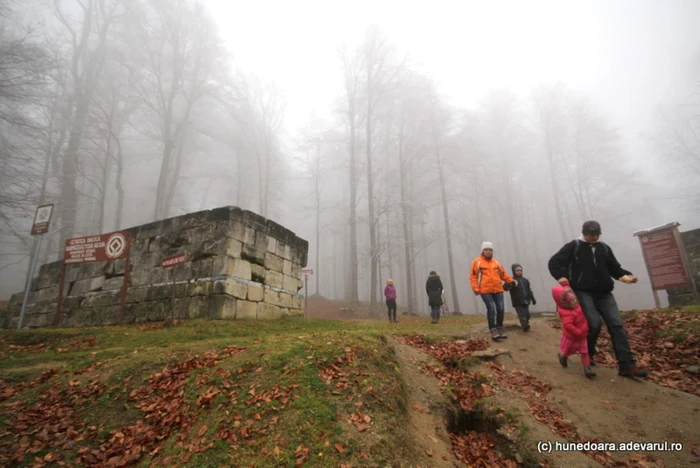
[(406, 223), (317, 190), (370, 193), (448, 232), (354, 295), (120, 188)]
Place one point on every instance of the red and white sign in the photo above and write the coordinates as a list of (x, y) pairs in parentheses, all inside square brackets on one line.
[(173, 260), (664, 260), (307, 272), (96, 248), (42, 218)]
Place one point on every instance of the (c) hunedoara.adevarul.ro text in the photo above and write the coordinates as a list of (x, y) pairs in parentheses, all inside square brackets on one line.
[(546, 446)]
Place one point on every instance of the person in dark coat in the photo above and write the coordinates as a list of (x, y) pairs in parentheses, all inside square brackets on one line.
[(521, 296), (434, 289), (590, 267)]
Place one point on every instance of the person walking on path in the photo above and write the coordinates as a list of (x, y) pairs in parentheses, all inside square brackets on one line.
[(521, 296), (487, 276), (589, 266), (390, 295), (574, 328), (433, 286)]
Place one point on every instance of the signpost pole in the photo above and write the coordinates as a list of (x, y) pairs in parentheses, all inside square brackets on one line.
[(306, 293), (61, 283), (30, 274), (125, 284)]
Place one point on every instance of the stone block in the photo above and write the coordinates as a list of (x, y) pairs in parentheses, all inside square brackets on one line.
[(242, 233), (268, 311), (37, 320), (100, 300), (291, 284), (271, 244), (199, 306), (136, 294), (87, 285), (149, 230), (178, 308), (274, 279), (254, 253), (46, 294), (52, 269), (43, 282), (231, 287), (285, 300), (274, 263), (296, 312), (202, 268), (287, 267), (113, 283), (199, 288), (256, 293), (222, 306), (241, 269), (146, 261), (272, 297), (258, 273), (297, 301), (247, 310), (281, 249), (296, 270), (159, 292), (182, 272), (16, 299), (234, 248)]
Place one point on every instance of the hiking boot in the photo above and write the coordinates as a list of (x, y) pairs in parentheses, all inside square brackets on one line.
[(563, 361), (593, 364), (588, 372), (501, 333), (526, 328), (494, 334), (633, 372)]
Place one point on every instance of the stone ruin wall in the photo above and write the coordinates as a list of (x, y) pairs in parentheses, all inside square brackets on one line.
[(240, 265), (684, 296)]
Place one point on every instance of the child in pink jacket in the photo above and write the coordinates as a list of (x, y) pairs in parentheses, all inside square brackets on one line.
[(574, 328)]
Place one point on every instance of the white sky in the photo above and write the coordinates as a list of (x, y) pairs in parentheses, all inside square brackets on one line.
[(623, 51)]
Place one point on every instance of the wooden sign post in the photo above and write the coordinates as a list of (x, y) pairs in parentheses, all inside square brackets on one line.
[(666, 260)]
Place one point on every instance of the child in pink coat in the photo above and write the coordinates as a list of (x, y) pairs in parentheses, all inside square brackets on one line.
[(390, 294), (574, 328)]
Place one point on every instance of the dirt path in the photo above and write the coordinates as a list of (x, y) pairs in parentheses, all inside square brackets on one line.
[(609, 408), (425, 408)]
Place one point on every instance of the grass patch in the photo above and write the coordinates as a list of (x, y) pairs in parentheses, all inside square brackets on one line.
[(319, 392)]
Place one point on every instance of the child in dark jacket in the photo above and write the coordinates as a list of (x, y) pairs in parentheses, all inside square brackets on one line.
[(521, 296), (574, 328)]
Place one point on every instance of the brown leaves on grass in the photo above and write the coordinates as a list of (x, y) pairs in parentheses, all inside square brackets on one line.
[(360, 421), (663, 344), (477, 449), (50, 423), (8, 391), (334, 371)]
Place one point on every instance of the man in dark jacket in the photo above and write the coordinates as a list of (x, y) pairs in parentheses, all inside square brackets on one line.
[(434, 289), (589, 266), (521, 296)]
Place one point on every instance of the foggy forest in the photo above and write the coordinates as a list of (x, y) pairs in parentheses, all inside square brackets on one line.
[(122, 112)]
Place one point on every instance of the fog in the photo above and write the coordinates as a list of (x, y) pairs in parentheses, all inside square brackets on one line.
[(394, 138)]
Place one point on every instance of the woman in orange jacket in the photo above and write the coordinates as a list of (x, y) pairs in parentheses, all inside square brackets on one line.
[(487, 277)]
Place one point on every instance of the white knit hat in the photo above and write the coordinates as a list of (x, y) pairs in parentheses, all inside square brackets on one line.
[(486, 245)]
